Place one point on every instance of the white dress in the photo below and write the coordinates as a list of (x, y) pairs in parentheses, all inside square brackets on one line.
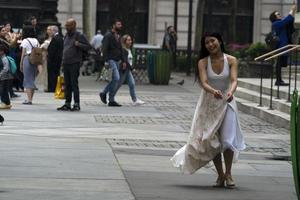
[(215, 126)]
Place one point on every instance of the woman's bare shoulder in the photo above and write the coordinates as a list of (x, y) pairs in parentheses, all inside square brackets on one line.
[(231, 59), (203, 61)]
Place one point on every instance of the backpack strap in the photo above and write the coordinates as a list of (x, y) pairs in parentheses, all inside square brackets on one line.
[(31, 44)]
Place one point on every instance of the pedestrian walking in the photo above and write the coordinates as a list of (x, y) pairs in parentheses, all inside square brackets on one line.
[(283, 27), (75, 44), (215, 128), (29, 70), (125, 72), (55, 54), (112, 54)]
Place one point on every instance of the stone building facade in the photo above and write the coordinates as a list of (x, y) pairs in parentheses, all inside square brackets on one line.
[(161, 14)]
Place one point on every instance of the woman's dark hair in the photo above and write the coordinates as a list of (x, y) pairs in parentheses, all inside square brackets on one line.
[(28, 31), (273, 17), (4, 48), (204, 52), (11, 27), (2, 27)]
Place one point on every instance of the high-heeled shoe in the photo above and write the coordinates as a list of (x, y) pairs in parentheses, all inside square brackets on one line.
[(229, 182), (220, 182)]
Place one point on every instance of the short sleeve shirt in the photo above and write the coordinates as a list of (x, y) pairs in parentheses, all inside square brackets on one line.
[(26, 45)]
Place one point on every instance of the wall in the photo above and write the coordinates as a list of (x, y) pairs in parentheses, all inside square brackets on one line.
[(161, 15)]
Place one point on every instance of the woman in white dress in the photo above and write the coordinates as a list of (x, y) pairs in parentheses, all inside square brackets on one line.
[(42, 77), (215, 128)]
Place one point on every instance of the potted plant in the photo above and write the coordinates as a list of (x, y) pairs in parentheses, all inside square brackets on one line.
[(253, 69)]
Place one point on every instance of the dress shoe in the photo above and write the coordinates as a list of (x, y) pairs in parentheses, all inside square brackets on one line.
[(103, 97), (14, 96), (281, 83), (114, 104), (76, 107), (64, 108)]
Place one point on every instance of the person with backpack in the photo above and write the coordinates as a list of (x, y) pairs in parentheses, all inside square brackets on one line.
[(283, 28), (75, 45), (6, 77), (30, 62)]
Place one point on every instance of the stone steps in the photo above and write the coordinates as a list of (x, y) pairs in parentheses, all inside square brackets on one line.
[(248, 98)]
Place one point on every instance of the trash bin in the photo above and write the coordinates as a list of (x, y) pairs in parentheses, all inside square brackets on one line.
[(150, 66), (162, 67), (159, 67)]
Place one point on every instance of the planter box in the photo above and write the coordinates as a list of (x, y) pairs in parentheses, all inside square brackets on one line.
[(252, 69)]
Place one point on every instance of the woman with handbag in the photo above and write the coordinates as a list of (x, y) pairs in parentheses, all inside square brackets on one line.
[(29, 70)]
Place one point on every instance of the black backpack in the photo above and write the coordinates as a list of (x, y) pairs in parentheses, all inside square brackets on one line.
[(272, 40)]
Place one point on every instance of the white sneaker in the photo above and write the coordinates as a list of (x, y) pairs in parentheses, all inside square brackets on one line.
[(138, 102)]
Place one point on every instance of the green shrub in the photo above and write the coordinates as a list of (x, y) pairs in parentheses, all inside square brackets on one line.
[(256, 49)]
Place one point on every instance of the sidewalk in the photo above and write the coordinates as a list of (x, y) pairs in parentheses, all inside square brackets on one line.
[(123, 153)]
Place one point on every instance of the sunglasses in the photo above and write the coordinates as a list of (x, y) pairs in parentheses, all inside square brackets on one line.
[(278, 14)]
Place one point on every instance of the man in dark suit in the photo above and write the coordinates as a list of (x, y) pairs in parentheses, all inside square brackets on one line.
[(55, 52)]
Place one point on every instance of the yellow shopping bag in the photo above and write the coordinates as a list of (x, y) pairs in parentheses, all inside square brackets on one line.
[(60, 88)]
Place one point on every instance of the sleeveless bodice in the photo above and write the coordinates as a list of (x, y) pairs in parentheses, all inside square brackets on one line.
[(219, 81)]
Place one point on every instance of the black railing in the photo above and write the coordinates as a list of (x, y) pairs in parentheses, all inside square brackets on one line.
[(292, 52), (140, 56)]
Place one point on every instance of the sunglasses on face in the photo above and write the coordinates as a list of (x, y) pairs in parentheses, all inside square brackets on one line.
[(277, 14)]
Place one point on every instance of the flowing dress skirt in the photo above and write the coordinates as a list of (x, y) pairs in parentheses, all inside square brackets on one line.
[(215, 128)]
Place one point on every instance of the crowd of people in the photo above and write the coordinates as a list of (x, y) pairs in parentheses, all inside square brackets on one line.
[(215, 128), (61, 53)]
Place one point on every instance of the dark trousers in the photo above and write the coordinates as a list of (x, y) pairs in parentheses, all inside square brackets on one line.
[(282, 61), (53, 73), (4, 91), (71, 74)]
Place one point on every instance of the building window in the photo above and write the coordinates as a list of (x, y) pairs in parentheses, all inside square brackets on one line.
[(133, 13), (232, 18)]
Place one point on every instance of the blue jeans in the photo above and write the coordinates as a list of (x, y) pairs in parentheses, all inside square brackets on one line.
[(127, 75), (112, 86)]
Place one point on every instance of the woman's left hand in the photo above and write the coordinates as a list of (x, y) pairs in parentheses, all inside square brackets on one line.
[(229, 96)]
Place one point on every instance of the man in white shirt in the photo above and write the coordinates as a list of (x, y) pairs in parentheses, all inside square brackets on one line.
[(97, 45)]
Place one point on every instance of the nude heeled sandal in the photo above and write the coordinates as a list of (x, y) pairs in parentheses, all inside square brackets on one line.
[(229, 182), (220, 182)]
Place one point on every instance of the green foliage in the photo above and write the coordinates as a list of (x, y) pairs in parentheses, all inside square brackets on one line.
[(182, 62), (237, 50), (256, 49)]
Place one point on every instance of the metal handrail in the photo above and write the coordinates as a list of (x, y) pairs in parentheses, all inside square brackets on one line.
[(283, 52), (269, 56), (272, 52)]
